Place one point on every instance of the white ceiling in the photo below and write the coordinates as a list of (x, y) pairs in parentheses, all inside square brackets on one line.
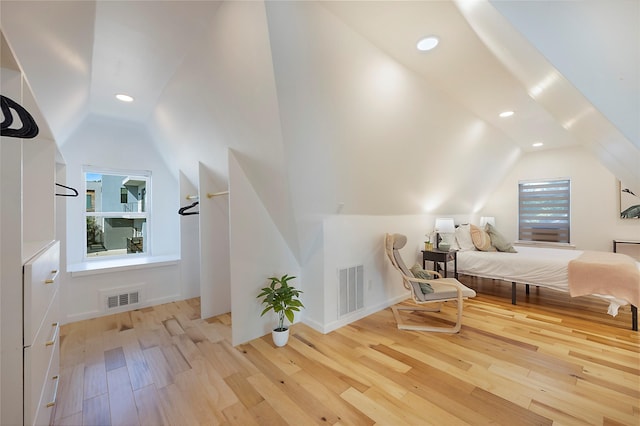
[(461, 65), (595, 45), (137, 47), (78, 54)]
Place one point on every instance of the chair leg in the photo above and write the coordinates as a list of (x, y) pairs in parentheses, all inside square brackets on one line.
[(402, 326)]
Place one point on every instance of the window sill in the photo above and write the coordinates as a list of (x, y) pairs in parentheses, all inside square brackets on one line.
[(118, 265)]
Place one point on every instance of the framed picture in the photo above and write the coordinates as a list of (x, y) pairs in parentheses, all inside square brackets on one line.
[(629, 203)]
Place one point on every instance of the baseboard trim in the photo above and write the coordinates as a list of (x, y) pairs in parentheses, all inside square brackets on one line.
[(99, 313), (334, 325)]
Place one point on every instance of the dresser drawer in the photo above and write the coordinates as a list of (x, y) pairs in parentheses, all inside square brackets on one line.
[(41, 363), (40, 284), (46, 408)]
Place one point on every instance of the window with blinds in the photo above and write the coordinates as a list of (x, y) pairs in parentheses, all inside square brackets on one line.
[(544, 210)]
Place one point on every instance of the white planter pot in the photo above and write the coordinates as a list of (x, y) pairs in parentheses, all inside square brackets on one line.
[(280, 338)]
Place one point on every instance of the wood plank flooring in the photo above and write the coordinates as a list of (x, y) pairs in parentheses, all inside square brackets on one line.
[(548, 360)]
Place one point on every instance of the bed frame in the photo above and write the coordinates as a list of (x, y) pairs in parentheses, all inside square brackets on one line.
[(634, 309)]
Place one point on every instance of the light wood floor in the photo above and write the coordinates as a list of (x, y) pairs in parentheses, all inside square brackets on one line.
[(548, 360)]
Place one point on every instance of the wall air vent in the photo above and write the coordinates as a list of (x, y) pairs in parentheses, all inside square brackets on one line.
[(124, 299), (351, 291), (119, 299)]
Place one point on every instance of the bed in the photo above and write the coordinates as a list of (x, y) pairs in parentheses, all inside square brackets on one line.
[(599, 273)]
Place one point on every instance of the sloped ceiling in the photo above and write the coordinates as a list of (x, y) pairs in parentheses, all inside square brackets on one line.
[(598, 104), (78, 54), (53, 42), (595, 45), (461, 66), (138, 46)]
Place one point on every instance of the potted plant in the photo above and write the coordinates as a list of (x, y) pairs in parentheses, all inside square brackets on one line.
[(283, 300)]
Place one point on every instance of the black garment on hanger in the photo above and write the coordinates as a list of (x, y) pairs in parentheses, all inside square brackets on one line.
[(29, 127)]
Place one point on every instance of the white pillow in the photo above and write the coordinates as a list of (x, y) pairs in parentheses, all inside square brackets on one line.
[(454, 243), (463, 238)]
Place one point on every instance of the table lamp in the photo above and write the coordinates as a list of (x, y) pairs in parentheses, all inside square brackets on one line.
[(444, 225)]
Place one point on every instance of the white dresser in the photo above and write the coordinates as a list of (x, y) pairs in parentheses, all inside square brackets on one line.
[(41, 331)]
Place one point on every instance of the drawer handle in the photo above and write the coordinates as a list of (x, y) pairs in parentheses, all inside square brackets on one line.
[(55, 392), (55, 334), (53, 278)]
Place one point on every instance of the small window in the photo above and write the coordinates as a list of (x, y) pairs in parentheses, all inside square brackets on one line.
[(116, 212), (545, 210)]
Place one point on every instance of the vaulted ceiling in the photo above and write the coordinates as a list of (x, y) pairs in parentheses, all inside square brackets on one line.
[(560, 66)]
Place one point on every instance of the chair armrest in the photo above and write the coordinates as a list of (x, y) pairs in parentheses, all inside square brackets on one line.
[(449, 282), (436, 273)]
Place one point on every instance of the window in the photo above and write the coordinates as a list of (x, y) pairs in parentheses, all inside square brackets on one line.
[(116, 212), (544, 210)]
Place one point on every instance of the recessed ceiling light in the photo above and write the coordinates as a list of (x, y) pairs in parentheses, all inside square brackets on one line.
[(505, 114), (124, 98), (427, 43), (537, 144)]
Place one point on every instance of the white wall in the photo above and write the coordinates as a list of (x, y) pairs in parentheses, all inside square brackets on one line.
[(366, 135), (226, 85), (257, 251), (215, 293), (595, 208), (352, 240), (115, 144), (189, 243)]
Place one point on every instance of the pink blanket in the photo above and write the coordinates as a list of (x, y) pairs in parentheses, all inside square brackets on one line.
[(614, 274)]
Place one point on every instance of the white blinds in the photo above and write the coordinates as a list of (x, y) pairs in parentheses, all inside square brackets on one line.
[(544, 211)]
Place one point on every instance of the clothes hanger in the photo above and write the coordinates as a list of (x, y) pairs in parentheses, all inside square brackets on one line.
[(29, 128), (75, 192), (183, 210)]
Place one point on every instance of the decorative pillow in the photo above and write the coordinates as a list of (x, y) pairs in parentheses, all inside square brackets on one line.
[(463, 238), (481, 239), (418, 272), (454, 243), (498, 240)]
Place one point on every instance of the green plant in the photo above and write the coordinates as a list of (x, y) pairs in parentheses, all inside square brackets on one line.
[(282, 298)]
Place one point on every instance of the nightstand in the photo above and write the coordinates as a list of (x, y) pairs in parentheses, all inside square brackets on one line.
[(436, 256)]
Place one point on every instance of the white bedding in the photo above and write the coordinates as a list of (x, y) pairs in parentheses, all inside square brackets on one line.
[(544, 267)]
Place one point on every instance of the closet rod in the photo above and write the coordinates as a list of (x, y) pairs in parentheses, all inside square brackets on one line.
[(216, 194), (209, 195)]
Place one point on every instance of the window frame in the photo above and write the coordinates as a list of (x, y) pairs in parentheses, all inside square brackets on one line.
[(547, 228), (146, 214)]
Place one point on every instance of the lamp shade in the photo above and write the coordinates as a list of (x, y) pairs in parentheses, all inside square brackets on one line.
[(445, 225), (487, 219)]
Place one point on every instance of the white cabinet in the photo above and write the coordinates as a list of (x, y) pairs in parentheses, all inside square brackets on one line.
[(29, 287)]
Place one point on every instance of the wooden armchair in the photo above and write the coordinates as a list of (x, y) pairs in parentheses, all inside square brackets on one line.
[(439, 290)]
